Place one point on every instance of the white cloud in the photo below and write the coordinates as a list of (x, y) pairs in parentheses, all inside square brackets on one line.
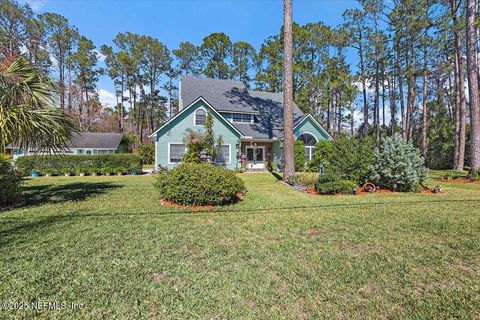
[(36, 5), (107, 98), (100, 56)]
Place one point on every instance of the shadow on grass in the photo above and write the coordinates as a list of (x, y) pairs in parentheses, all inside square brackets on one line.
[(54, 193), (276, 175)]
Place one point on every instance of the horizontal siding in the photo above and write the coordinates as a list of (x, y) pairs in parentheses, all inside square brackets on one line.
[(175, 132), (309, 126)]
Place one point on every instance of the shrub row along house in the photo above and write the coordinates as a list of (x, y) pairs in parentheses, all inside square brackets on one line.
[(250, 123), (84, 143)]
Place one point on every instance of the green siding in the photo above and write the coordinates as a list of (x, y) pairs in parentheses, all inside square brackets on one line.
[(174, 132), (308, 125)]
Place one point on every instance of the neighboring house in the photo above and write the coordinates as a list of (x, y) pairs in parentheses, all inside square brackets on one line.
[(83, 143), (250, 122)]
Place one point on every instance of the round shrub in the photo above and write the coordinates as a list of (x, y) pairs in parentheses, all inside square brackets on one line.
[(398, 165), (199, 184), (332, 183), (10, 182)]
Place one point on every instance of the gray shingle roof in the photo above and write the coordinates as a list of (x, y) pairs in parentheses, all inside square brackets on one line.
[(96, 140), (92, 140), (233, 96)]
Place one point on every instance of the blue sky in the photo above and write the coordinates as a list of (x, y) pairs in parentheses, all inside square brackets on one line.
[(172, 22)]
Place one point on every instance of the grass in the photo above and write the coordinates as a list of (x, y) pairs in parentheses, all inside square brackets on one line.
[(106, 243)]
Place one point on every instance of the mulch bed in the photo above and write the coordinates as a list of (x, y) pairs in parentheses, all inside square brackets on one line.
[(361, 192), (17, 203)]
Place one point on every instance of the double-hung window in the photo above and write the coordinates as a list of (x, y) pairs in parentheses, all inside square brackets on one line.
[(200, 117), (223, 156), (175, 152)]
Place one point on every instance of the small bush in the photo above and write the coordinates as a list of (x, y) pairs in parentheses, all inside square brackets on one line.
[(77, 163), (10, 183), (299, 155), (332, 183), (398, 165), (147, 153), (349, 157), (199, 184)]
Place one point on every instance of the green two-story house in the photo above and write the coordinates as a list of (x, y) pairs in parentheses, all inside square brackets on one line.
[(250, 122)]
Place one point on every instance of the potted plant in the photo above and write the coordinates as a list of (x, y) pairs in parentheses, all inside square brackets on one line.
[(119, 171), (107, 171), (95, 171), (82, 171), (66, 171), (49, 172), (133, 171)]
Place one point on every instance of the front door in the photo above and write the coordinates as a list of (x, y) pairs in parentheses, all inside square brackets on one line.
[(255, 157)]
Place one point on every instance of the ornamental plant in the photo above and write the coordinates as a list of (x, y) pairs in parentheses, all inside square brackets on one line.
[(199, 184), (398, 165), (299, 155), (332, 183)]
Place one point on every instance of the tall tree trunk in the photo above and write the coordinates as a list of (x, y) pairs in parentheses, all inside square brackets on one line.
[(472, 71), (288, 92), (393, 107), (61, 73), (400, 88), (364, 87), (377, 104), (424, 105), (460, 99)]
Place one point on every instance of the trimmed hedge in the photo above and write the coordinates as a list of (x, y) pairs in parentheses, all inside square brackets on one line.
[(73, 163), (199, 184), (10, 182)]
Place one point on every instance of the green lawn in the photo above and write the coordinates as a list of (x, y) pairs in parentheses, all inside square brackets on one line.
[(106, 243)]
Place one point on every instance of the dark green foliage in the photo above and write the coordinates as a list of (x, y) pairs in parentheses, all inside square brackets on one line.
[(441, 140), (322, 155), (299, 155), (10, 182), (86, 162), (349, 157), (398, 165), (199, 184), (197, 142), (147, 153), (332, 183)]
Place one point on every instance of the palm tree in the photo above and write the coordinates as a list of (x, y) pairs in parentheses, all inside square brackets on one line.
[(28, 116), (288, 92)]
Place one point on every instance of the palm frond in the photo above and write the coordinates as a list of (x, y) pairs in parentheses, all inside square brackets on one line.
[(28, 116)]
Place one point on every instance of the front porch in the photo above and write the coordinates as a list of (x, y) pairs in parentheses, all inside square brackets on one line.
[(258, 155)]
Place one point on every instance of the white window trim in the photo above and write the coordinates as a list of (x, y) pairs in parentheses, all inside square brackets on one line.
[(229, 154), (168, 152), (195, 116), (310, 152), (309, 147)]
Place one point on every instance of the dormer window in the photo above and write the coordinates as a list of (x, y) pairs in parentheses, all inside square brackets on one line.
[(200, 117), (242, 118)]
